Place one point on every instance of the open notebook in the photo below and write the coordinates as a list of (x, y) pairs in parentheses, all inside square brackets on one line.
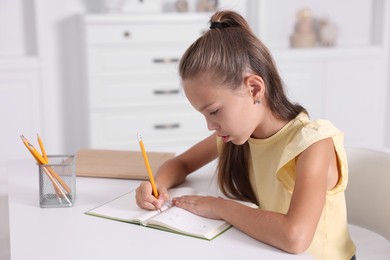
[(172, 219)]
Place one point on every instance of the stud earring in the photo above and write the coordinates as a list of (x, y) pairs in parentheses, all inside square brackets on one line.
[(257, 102)]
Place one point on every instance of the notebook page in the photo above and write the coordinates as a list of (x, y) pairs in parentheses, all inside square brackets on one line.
[(123, 208), (183, 221)]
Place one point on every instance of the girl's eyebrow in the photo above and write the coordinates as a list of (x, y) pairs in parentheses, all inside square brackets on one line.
[(204, 107)]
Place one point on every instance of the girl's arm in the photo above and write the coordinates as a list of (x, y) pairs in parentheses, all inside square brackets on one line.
[(292, 232), (174, 171)]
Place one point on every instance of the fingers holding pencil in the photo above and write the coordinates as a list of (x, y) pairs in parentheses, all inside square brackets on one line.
[(145, 198)]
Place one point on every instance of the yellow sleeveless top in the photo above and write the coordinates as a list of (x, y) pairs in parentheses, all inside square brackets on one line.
[(272, 176)]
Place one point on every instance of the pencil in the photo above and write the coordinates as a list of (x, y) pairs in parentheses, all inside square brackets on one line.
[(40, 160), (144, 155), (33, 151), (49, 171), (42, 148), (55, 184)]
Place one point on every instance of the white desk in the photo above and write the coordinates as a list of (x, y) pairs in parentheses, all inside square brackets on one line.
[(67, 233)]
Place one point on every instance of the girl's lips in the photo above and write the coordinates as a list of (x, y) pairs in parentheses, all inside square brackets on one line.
[(225, 138)]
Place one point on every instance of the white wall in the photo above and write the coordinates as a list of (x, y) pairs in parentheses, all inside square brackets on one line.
[(47, 31), (59, 41), (39, 75), (11, 28)]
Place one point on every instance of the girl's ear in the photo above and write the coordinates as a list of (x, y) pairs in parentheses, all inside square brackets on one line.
[(256, 87)]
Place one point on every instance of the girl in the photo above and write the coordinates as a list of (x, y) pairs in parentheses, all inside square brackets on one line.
[(268, 150)]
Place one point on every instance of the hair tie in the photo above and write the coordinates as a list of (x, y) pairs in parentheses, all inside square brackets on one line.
[(218, 25)]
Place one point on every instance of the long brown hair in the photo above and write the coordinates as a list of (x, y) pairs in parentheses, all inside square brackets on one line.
[(225, 52)]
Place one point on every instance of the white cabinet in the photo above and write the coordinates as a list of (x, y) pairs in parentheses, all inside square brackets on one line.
[(355, 100), (346, 87), (133, 83), (348, 83), (304, 83)]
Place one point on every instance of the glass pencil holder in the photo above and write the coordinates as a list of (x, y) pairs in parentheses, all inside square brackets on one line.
[(57, 182)]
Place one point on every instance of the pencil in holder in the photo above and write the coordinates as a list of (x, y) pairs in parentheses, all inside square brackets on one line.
[(57, 182)]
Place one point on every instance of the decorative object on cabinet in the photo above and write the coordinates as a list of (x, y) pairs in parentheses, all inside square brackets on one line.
[(207, 5), (304, 32), (310, 31), (327, 33), (132, 80), (181, 6)]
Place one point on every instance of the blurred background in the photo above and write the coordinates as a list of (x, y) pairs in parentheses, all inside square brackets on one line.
[(93, 73)]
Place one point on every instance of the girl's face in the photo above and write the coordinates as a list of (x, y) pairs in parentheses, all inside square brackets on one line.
[(231, 113)]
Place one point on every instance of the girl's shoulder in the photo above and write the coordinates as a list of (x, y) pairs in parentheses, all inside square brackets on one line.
[(307, 132), (314, 130)]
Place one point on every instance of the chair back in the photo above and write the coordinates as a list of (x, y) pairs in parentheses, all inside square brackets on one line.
[(368, 191)]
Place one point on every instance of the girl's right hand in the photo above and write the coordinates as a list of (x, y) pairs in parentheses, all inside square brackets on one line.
[(146, 200)]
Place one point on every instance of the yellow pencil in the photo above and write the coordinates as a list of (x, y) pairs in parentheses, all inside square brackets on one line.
[(33, 151), (48, 170), (27, 144), (42, 148), (144, 155), (40, 160)]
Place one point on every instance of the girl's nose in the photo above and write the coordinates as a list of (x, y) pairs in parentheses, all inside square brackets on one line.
[(212, 125)]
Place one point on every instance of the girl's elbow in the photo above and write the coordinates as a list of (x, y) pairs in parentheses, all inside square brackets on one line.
[(297, 240), (296, 248)]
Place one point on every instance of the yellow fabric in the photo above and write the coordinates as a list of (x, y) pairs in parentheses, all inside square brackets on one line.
[(272, 175)]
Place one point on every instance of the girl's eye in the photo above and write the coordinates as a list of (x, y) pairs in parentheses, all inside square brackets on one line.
[(214, 112)]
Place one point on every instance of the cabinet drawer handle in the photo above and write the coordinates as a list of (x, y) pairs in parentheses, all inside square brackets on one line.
[(166, 91), (165, 60), (167, 126), (126, 34)]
